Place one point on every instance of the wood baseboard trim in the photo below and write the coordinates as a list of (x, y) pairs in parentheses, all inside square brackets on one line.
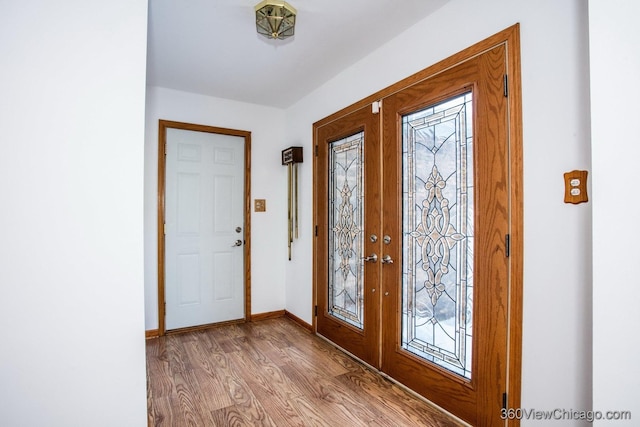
[(281, 313), (299, 321), (155, 333), (268, 315)]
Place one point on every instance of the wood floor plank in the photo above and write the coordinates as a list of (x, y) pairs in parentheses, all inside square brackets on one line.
[(174, 352), (212, 387), (159, 379), (281, 412), (163, 412), (271, 373), (315, 362), (310, 413), (328, 392), (229, 416), (267, 376), (208, 366), (273, 390), (193, 412), (396, 401)]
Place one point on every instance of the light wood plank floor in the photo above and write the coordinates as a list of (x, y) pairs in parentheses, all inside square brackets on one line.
[(271, 373)]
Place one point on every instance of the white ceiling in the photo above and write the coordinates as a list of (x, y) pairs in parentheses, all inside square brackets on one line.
[(211, 47)]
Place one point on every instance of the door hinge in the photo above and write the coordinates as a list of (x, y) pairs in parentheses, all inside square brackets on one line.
[(165, 148), (315, 311), (164, 228), (316, 231), (504, 400), (315, 150), (507, 245), (506, 86)]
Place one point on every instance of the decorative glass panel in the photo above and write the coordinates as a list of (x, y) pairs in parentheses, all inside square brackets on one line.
[(437, 270), (346, 219)]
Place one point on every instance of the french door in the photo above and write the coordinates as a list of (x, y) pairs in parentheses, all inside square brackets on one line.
[(349, 166), (413, 210)]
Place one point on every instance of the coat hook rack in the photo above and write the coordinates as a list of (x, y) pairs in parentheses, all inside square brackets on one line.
[(290, 158)]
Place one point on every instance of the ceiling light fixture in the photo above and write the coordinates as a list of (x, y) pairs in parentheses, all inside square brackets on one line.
[(275, 19)]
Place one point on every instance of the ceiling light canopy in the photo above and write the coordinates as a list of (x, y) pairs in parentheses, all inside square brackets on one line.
[(275, 19)]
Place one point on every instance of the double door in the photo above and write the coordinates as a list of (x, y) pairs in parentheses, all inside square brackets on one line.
[(413, 223)]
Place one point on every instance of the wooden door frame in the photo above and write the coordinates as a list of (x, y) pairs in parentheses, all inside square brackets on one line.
[(510, 38), (163, 125)]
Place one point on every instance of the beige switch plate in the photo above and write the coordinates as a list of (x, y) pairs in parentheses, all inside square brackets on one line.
[(575, 187), (260, 205)]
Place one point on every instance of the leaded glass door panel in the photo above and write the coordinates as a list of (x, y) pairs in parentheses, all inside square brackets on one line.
[(445, 304), (345, 299), (348, 218), (437, 234)]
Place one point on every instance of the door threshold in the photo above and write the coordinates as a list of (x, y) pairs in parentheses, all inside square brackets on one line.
[(203, 327)]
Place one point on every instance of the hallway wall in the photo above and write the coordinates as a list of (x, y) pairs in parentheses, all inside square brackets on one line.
[(614, 111), (72, 88)]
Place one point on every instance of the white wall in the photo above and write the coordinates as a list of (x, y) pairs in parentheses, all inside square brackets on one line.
[(615, 67), (556, 370), (268, 181), (72, 87), (71, 253)]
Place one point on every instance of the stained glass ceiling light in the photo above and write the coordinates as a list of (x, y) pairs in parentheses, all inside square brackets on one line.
[(275, 19)]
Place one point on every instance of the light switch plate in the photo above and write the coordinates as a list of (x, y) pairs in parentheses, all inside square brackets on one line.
[(260, 205), (575, 187)]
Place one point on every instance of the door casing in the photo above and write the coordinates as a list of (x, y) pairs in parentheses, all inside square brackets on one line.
[(511, 40), (163, 125)]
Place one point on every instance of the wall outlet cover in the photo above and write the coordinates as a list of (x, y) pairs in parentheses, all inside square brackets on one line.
[(575, 187)]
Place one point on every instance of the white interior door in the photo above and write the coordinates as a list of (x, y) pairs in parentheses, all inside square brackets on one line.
[(204, 218)]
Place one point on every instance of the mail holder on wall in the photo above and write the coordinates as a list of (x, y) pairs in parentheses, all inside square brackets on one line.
[(290, 158)]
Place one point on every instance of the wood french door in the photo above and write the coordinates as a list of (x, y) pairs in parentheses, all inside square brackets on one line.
[(445, 304), (417, 210), (348, 165)]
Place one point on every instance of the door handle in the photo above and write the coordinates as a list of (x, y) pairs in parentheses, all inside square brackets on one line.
[(237, 243), (371, 258), (386, 259)]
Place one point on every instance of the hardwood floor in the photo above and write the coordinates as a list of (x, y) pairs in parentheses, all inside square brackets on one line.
[(271, 373)]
